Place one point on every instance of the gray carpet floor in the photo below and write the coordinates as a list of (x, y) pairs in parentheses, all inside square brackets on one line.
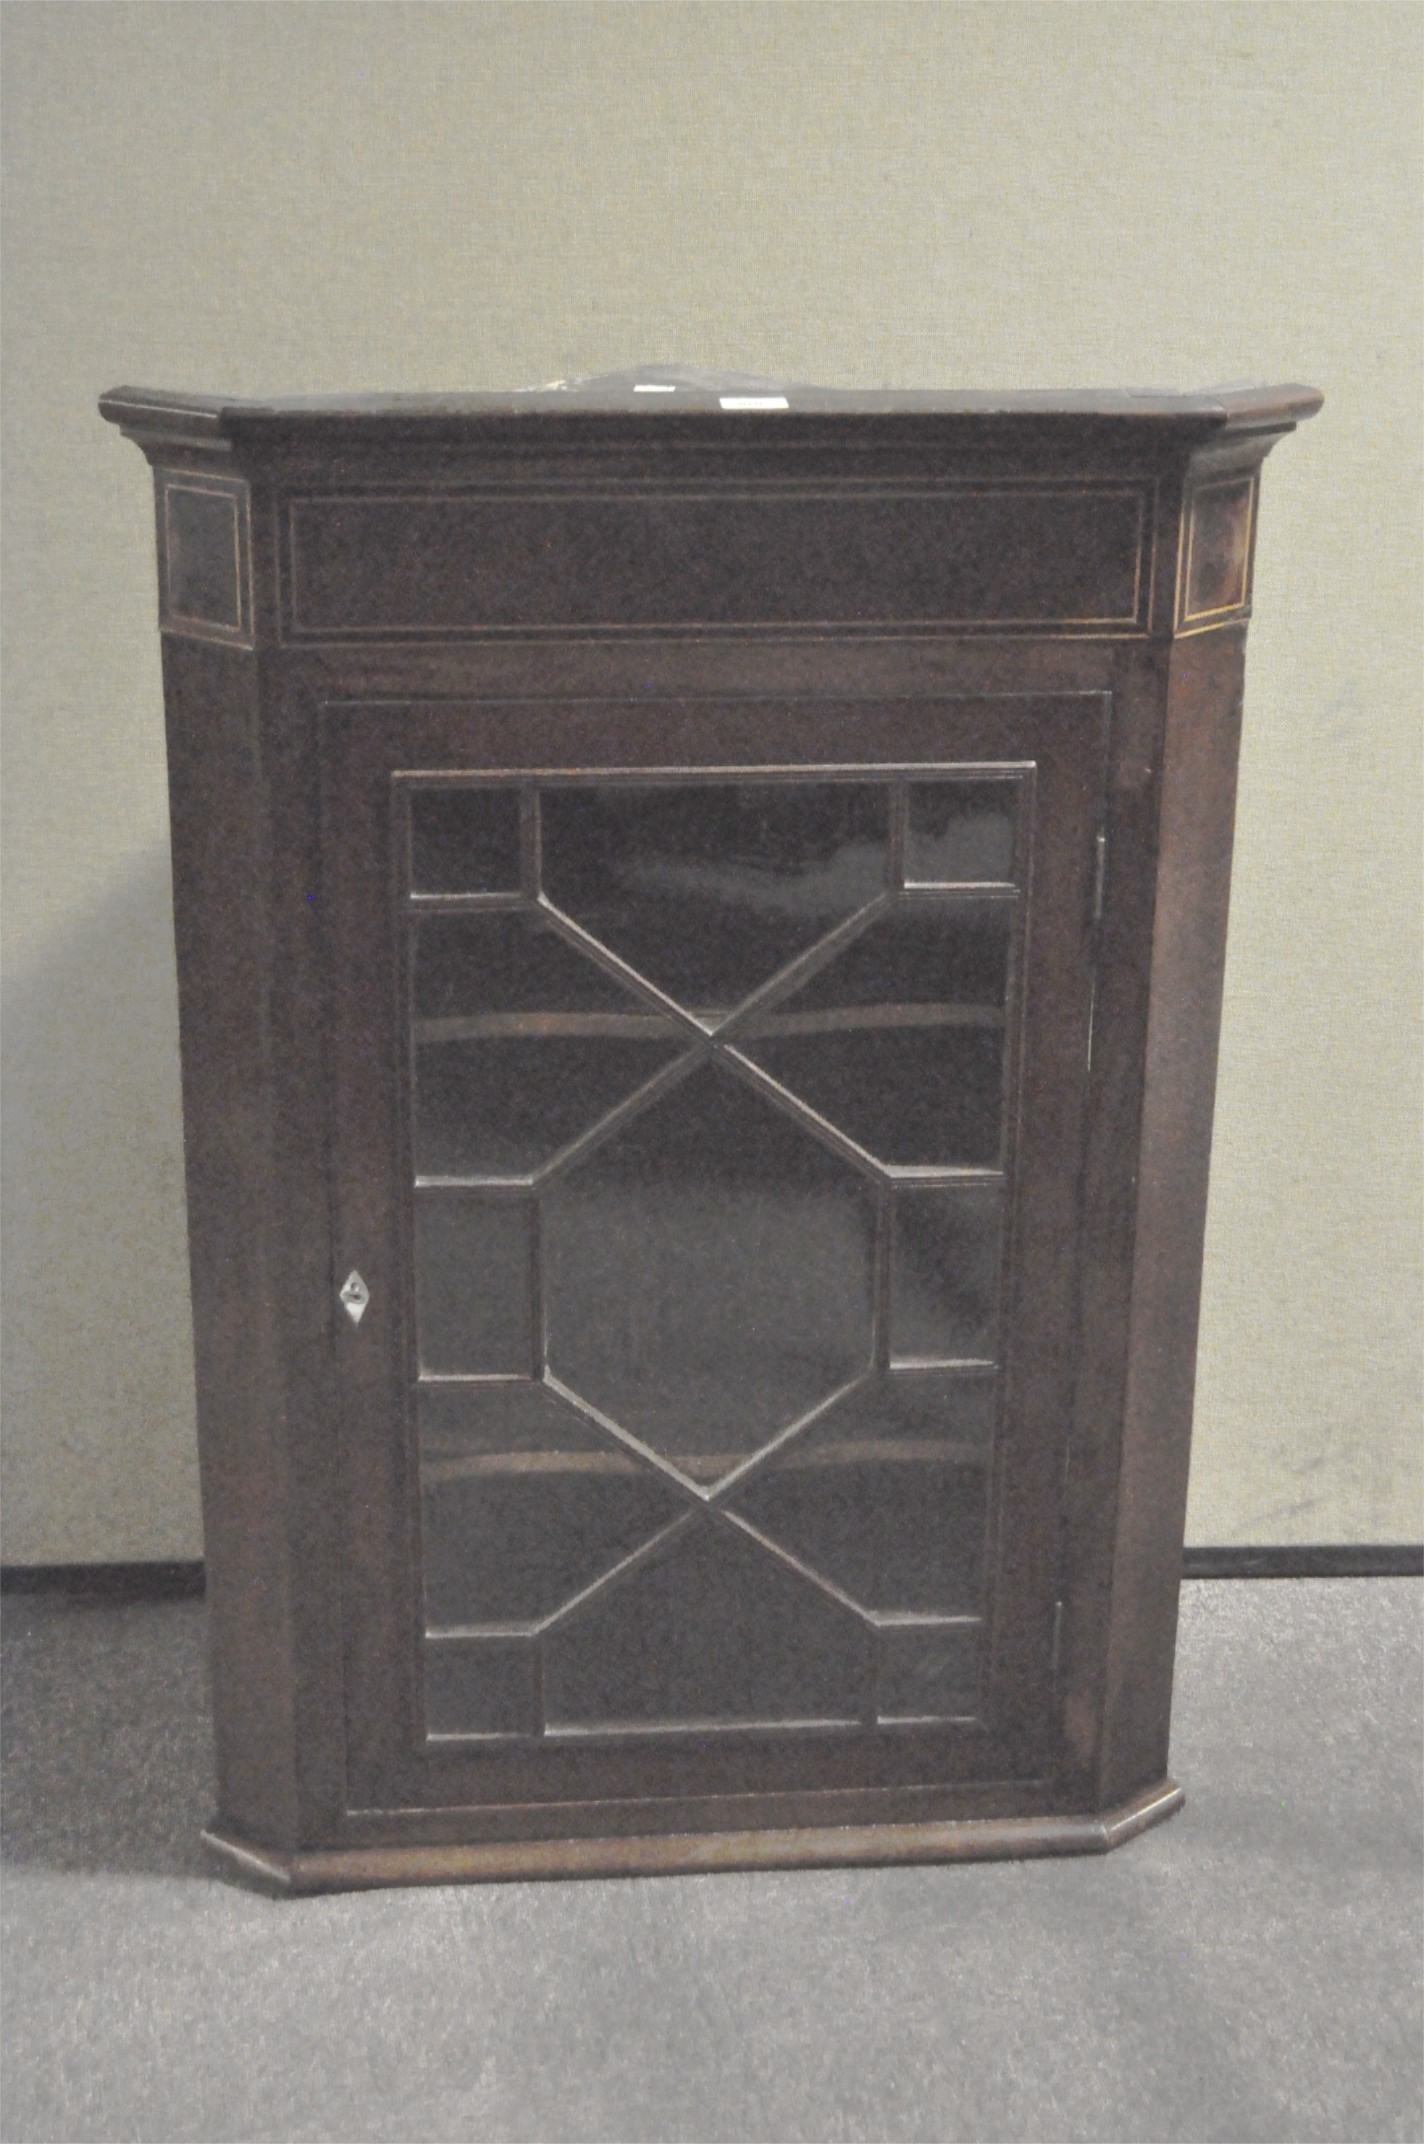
[(1249, 1971)]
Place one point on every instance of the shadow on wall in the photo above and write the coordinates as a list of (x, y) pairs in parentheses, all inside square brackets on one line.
[(100, 1460)]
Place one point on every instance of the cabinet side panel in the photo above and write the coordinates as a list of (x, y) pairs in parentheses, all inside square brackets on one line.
[(219, 852), (1198, 799)]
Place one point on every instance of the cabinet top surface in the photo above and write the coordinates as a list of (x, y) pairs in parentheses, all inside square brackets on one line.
[(663, 393)]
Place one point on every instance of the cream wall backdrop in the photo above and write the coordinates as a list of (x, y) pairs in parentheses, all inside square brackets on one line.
[(296, 198)]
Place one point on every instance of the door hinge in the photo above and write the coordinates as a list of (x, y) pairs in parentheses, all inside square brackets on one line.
[(1100, 872)]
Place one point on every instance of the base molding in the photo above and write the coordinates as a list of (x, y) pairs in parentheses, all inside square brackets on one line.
[(359, 1868)]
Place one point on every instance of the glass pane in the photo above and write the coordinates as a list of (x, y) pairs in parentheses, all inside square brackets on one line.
[(513, 962), (900, 1041), (929, 1673), (464, 840), (524, 1503), (473, 1285), (714, 1631), (885, 1495), (505, 1105), (708, 889), (708, 1273), (960, 831), (945, 1275), (922, 953), (521, 1044), (479, 1686)]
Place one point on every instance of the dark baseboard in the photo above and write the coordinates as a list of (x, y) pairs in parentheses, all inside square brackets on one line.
[(106, 1581), (1350, 1559), (184, 1581)]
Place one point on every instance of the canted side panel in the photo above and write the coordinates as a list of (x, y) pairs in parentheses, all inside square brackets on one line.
[(219, 867), (1069, 556), (1198, 794), (1108, 1208)]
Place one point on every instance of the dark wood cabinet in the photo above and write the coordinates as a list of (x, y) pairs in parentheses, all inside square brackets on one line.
[(700, 915)]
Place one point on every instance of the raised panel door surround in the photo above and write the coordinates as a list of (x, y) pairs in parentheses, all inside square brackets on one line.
[(687, 893), (718, 1190)]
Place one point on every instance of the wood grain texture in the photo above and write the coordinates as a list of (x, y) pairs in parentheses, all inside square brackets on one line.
[(235, 1195), (1195, 825), (504, 636), (965, 558)]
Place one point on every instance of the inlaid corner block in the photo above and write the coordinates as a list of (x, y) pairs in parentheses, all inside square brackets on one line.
[(1215, 578), (700, 912), (205, 557)]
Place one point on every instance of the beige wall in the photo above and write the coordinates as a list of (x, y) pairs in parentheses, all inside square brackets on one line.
[(270, 199)]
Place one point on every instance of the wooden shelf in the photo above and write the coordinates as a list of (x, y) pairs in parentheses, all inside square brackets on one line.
[(658, 1027), (438, 1467)]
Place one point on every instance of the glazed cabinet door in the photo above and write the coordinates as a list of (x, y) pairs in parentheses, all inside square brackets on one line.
[(707, 1093)]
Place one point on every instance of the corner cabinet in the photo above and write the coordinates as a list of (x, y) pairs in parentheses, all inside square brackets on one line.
[(700, 914)]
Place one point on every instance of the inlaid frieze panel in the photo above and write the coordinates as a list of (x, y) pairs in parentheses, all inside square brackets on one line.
[(961, 557)]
